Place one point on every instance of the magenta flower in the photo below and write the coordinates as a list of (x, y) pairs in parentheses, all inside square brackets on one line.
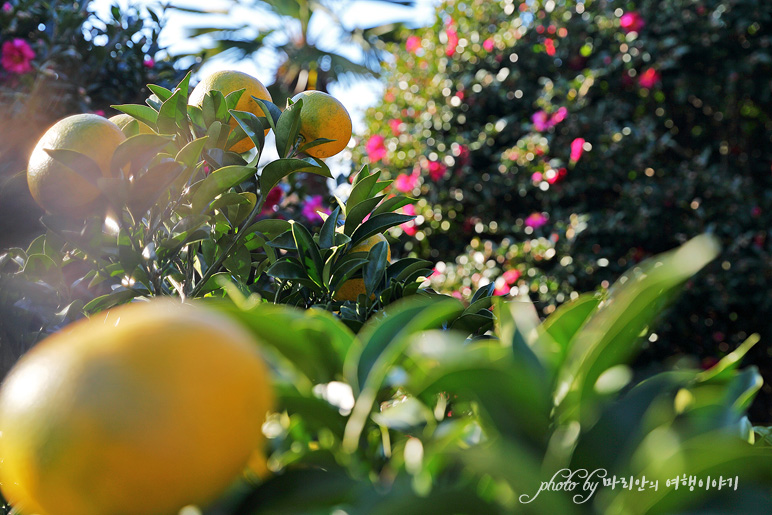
[(559, 115), (99, 112), (649, 78), (7, 7), (409, 227), (406, 183), (536, 177), (535, 220), (577, 149), (488, 45), (312, 207), (450, 48), (631, 22), (502, 290), (511, 276), (436, 170), (149, 62), (272, 200), (541, 121), (16, 56), (375, 148), (394, 124), (412, 44)]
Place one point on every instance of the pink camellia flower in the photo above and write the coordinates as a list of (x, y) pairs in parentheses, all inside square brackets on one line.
[(409, 227), (312, 207), (535, 220), (412, 44), (457, 294), (7, 7), (577, 149), (375, 148), (394, 124), (436, 170), (149, 62), (649, 78), (511, 276), (406, 183), (549, 46), (559, 115), (272, 200), (541, 121), (16, 56), (536, 177), (501, 290), (631, 22), (450, 48), (488, 45), (99, 112), (756, 212)]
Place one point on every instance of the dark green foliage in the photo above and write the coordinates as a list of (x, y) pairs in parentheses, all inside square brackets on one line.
[(677, 129)]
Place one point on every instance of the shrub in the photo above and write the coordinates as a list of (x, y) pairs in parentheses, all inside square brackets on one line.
[(561, 142), (59, 58)]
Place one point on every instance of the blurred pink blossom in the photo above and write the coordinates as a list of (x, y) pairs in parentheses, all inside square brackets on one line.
[(409, 227), (436, 170), (412, 44), (457, 294), (631, 22), (559, 115), (535, 220), (7, 7), (406, 183), (375, 148), (511, 276), (577, 149), (16, 56), (502, 290), (488, 45), (394, 124), (536, 177), (149, 62), (272, 200), (99, 112), (541, 121), (649, 78), (450, 48), (311, 208)]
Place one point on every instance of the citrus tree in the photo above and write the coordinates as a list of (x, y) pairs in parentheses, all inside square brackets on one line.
[(554, 144), (60, 58)]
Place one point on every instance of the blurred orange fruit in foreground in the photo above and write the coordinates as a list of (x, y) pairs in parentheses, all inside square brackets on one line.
[(140, 410), (57, 188)]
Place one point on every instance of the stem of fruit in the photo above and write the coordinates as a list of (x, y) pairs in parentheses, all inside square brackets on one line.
[(221, 259)]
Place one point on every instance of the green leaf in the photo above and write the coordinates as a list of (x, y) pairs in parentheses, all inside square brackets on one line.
[(146, 190), (232, 98), (287, 128), (190, 155), (239, 264), (314, 143), (173, 115), (377, 224), (405, 415), (375, 269), (214, 108), (217, 182), (275, 171), (144, 114), (287, 269), (271, 111), (327, 233), (79, 163), (563, 324), (251, 126), (308, 252), (120, 296), (356, 214), (269, 227), (361, 192), (392, 204), (138, 151), (612, 334), (162, 93)]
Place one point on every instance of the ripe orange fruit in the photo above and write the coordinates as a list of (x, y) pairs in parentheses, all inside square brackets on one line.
[(351, 289), (129, 125), (141, 410), (228, 81), (323, 116), (57, 188)]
